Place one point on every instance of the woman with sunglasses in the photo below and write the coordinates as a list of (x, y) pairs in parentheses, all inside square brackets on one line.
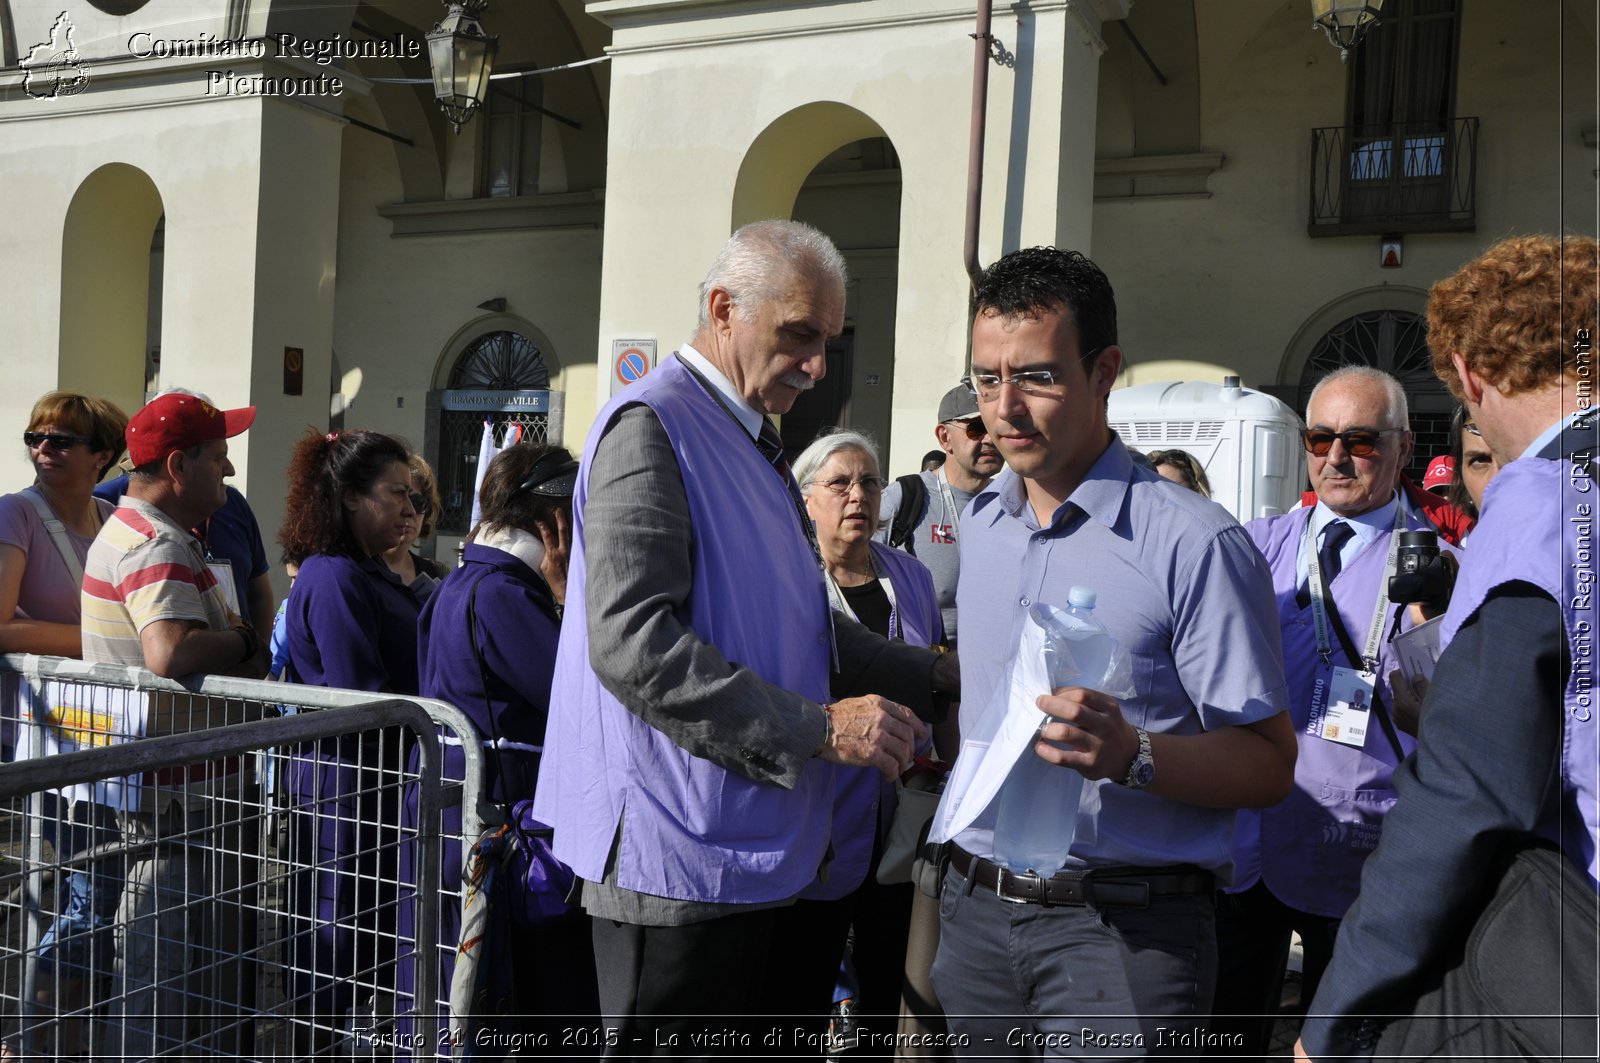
[(892, 593), (350, 622), (420, 574), (71, 439), (45, 532), (487, 644)]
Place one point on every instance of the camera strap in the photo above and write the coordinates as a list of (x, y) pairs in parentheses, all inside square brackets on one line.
[(1325, 619)]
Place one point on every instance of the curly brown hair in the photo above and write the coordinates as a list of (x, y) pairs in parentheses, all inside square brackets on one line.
[(322, 470), (1514, 312), (428, 484)]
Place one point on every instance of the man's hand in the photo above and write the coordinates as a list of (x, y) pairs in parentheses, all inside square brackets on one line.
[(873, 732), (1093, 737), (557, 550), (1407, 697)]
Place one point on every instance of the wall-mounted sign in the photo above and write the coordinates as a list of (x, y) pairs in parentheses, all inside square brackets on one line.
[(487, 401), (630, 361)]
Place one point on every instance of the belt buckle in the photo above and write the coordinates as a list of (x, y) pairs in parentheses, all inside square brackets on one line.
[(1001, 871)]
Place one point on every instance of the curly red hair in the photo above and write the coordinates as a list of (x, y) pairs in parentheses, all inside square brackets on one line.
[(1515, 312)]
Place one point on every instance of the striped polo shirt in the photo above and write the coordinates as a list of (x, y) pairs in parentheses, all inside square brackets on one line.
[(142, 568)]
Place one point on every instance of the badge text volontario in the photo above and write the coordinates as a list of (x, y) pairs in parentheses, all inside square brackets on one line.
[(322, 51)]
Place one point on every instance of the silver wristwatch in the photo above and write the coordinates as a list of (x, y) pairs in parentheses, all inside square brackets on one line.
[(1143, 769)]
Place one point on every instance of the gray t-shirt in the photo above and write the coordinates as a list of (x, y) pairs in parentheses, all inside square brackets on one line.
[(934, 540)]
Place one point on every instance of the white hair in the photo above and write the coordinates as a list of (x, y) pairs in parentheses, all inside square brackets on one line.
[(826, 446), (1397, 413), (761, 259)]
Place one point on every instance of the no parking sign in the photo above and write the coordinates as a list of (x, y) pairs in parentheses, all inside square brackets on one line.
[(630, 361)]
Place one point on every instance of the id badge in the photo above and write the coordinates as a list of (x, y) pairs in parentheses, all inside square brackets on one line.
[(223, 571), (1341, 705)]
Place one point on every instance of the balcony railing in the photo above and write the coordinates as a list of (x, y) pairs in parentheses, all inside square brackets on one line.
[(1416, 177)]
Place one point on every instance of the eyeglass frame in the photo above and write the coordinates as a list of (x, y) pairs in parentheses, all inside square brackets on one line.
[(1024, 380), (55, 440), (1366, 451), (832, 483)]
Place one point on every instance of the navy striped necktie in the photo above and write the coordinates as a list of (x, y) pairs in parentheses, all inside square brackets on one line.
[(1334, 536)]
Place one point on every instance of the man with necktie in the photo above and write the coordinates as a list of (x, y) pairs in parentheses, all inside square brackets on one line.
[(703, 689), (1298, 863)]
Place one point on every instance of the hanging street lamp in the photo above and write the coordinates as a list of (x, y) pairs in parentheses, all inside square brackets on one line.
[(461, 56), (1344, 21)]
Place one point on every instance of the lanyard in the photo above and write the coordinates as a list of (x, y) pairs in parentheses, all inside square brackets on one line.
[(1319, 591), (947, 505), (839, 602)]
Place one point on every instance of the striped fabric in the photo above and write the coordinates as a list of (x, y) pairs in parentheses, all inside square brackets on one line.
[(142, 568)]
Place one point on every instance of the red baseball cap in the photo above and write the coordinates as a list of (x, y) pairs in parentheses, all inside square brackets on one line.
[(1441, 474), (178, 422)]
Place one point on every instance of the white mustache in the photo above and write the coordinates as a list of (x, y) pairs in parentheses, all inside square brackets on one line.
[(797, 380)]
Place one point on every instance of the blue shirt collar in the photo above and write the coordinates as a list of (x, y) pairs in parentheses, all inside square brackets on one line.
[(1367, 527), (1101, 494)]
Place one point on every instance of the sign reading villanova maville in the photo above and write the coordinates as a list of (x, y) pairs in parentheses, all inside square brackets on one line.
[(488, 401)]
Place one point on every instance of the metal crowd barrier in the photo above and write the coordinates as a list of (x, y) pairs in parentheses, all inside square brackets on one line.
[(259, 878)]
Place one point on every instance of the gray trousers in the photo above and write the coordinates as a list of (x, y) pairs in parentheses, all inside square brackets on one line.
[(1026, 981)]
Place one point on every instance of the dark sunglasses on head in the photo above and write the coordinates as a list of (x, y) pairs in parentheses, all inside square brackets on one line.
[(973, 426), (1358, 442), (420, 503), (57, 440)]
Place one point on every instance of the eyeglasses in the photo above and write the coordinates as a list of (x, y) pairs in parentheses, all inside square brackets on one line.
[(1032, 382), (420, 503), (57, 440), (1358, 442), (840, 485), (973, 426)]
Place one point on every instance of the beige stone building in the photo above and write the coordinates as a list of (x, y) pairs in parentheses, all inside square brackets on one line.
[(259, 199)]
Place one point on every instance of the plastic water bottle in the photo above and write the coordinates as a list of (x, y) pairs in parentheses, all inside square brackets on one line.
[(1038, 811)]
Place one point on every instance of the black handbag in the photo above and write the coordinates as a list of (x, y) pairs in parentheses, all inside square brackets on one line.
[(1525, 985)]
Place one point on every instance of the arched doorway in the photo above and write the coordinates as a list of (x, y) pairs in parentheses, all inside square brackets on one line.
[(496, 371), (833, 167), (1395, 341), (110, 336)]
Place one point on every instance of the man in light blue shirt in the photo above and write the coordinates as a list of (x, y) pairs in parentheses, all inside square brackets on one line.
[(1115, 951)]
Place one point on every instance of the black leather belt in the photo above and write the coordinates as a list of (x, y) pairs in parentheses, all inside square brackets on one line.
[(1127, 887)]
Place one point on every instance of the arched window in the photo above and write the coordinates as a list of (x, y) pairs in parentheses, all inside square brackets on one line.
[(1395, 341), (491, 380), (503, 361)]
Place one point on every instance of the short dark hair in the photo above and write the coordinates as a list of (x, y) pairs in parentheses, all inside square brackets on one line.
[(1458, 495), (1040, 280), (503, 503), (323, 469)]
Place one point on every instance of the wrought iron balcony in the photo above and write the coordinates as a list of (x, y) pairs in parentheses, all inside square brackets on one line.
[(1413, 177)]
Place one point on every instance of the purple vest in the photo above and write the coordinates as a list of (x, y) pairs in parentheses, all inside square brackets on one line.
[(695, 831), (861, 792), (1531, 504), (1310, 847)]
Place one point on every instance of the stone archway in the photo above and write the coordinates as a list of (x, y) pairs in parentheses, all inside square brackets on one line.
[(105, 284)]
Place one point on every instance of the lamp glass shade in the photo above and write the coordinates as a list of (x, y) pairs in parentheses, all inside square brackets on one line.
[(1345, 21), (460, 58)]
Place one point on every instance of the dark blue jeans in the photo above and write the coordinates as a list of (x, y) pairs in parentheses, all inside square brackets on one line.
[(1026, 981), (78, 942)]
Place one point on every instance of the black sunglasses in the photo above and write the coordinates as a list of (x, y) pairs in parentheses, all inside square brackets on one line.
[(57, 440), (420, 503), (1358, 442), (973, 426)]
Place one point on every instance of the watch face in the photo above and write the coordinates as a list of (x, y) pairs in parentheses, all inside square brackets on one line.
[(1144, 771)]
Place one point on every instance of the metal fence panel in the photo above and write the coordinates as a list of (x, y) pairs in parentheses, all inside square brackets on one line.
[(260, 879)]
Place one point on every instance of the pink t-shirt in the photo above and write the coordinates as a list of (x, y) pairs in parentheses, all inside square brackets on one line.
[(48, 592)]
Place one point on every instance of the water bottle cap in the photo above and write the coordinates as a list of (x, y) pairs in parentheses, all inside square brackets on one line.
[(1081, 597)]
